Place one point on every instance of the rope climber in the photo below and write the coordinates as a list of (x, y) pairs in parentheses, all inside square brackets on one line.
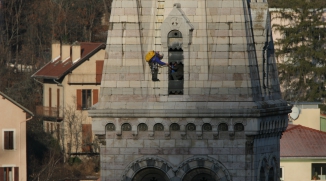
[(154, 59)]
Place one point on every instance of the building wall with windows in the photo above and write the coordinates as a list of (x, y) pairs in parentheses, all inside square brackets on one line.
[(71, 85), (303, 169), (13, 166), (303, 155)]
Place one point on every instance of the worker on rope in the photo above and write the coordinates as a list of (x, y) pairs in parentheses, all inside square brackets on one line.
[(154, 59)]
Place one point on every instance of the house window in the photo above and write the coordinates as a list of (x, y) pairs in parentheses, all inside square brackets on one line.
[(281, 173), (318, 171), (9, 173), (8, 140), (86, 98)]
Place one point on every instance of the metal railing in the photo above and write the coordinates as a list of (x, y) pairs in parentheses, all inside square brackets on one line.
[(48, 111)]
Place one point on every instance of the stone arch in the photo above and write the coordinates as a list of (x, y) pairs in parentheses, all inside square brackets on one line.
[(238, 127), (262, 170), (262, 166), (274, 167), (223, 127), (176, 20), (158, 127), (201, 163), (148, 162), (142, 127), (190, 127), (207, 127), (174, 127), (110, 127), (126, 127)]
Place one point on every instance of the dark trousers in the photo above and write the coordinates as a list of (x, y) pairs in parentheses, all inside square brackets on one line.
[(154, 70)]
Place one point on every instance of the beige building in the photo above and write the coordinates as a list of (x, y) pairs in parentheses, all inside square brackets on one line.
[(306, 114), (303, 154), (13, 166), (71, 83)]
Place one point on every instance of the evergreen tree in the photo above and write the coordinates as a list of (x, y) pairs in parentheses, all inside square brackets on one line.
[(301, 50)]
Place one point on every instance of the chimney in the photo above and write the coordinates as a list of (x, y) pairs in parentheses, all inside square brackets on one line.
[(75, 51), (55, 51), (65, 54)]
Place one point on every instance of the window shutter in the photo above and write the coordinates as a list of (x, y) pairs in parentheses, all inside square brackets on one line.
[(2, 172), (50, 102), (11, 139), (58, 102), (79, 99), (87, 137), (95, 96), (99, 70), (6, 139), (16, 170)]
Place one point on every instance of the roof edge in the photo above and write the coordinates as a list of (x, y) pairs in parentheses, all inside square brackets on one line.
[(16, 103), (82, 60)]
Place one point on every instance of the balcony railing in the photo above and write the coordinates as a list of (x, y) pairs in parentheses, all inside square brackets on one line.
[(48, 112)]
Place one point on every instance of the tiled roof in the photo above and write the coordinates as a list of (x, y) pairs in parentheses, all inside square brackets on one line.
[(301, 141), (57, 69)]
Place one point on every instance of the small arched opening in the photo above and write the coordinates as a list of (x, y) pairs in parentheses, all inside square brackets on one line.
[(150, 174), (175, 59)]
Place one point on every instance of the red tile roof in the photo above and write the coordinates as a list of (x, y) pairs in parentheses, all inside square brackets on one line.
[(301, 141), (57, 69)]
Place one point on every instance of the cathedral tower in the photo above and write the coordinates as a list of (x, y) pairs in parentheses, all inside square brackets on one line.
[(222, 119)]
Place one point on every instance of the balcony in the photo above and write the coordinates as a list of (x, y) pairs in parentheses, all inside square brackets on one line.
[(49, 112)]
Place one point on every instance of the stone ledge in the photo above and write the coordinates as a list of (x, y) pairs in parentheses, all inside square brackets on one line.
[(193, 113)]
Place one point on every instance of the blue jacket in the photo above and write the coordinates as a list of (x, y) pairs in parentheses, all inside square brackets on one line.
[(157, 60)]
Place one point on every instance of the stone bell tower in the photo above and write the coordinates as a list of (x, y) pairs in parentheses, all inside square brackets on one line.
[(221, 119)]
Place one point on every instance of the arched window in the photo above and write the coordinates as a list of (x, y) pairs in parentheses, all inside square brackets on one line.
[(207, 127), (126, 127), (174, 127), (142, 127), (158, 127), (110, 127), (175, 60), (191, 127), (223, 127), (238, 127)]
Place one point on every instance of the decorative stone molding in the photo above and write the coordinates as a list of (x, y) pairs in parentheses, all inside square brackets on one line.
[(148, 162), (207, 162), (177, 173), (176, 20)]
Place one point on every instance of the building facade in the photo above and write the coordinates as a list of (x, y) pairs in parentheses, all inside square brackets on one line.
[(13, 162), (303, 155), (221, 120), (71, 84)]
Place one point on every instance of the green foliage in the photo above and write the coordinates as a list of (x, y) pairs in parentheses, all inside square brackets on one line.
[(322, 108), (303, 71), (74, 160)]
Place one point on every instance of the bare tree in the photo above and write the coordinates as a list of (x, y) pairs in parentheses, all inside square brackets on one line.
[(72, 129)]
